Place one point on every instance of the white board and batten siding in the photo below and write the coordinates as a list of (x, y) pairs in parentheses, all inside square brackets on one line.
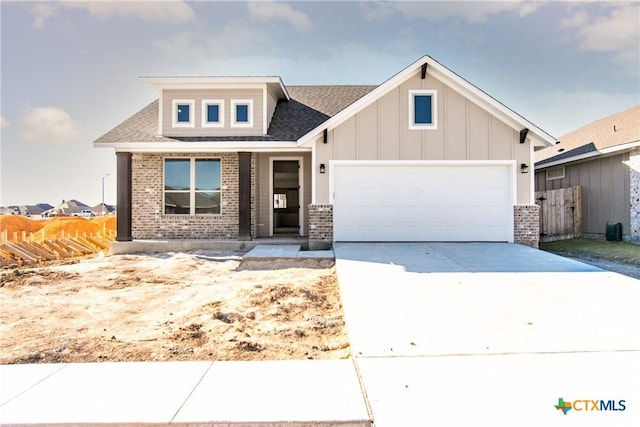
[(423, 200)]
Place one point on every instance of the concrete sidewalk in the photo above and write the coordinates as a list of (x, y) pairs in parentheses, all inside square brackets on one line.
[(271, 393), (488, 335)]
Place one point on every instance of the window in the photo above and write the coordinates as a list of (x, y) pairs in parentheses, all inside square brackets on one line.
[(212, 113), (555, 173), (242, 113), (191, 186), (423, 109), (183, 110)]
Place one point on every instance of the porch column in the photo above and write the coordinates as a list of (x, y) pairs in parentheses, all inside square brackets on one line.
[(244, 196), (123, 223)]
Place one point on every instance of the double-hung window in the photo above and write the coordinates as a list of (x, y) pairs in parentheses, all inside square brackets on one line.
[(182, 113), (212, 113), (191, 186), (423, 109), (242, 113)]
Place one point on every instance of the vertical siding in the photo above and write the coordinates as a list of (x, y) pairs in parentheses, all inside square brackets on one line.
[(367, 133), (464, 132), (605, 191), (198, 95), (388, 124)]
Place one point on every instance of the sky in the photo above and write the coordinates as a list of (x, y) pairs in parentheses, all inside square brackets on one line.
[(69, 69)]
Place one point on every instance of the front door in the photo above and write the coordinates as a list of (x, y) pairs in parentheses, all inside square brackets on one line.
[(286, 197)]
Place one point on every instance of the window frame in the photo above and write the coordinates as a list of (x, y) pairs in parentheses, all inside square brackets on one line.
[(234, 119), (174, 113), (192, 190), (557, 168), (204, 116), (434, 109)]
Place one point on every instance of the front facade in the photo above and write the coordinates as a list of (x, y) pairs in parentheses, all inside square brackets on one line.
[(425, 156), (603, 158)]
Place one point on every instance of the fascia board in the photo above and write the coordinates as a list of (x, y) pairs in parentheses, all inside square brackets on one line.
[(603, 151), (215, 83), (206, 146)]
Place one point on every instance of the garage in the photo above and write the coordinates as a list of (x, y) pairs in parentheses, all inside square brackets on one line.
[(442, 201)]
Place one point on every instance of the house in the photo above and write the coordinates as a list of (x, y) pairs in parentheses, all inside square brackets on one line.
[(603, 158), (425, 156), (66, 208)]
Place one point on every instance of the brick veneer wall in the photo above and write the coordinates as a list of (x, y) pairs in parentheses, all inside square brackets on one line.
[(634, 182), (149, 220), (320, 226), (526, 225)]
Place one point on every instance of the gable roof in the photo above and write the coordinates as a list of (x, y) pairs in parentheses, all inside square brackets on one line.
[(539, 137), (616, 132), (307, 107)]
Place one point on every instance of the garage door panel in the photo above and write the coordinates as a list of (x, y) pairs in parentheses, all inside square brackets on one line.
[(422, 203)]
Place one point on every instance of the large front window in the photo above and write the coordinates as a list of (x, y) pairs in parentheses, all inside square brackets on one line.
[(191, 186)]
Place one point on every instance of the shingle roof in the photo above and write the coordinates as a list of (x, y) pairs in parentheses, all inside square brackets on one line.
[(308, 107), (616, 129)]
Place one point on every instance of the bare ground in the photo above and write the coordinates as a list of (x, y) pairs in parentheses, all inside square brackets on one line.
[(182, 306)]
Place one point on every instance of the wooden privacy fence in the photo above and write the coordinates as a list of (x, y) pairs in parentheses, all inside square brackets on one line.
[(22, 248), (560, 213)]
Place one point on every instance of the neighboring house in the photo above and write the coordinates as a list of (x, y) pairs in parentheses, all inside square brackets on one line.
[(66, 208), (603, 158), (103, 209), (35, 209), (425, 156)]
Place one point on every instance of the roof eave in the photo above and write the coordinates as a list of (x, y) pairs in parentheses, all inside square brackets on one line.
[(584, 156), (201, 146)]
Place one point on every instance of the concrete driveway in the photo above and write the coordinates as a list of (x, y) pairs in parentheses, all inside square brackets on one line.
[(500, 329)]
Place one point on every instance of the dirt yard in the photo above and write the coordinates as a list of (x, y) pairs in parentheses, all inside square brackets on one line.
[(182, 306)]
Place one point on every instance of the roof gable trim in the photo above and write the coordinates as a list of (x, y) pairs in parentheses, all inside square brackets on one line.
[(451, 79)]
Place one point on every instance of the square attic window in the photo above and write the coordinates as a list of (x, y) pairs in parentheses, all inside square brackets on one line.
[(183, 113), (242, 110), (212, 113)]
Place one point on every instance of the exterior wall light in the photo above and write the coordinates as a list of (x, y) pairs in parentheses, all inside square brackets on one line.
[(322, 168), (524, 168)]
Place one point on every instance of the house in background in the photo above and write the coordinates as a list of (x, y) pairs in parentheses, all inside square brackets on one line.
[(425, 156), (603, 158), (66, 208)]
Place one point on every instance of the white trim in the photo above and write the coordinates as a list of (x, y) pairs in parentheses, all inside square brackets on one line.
[(265, 125), (434, 109), (192, 184), (314, 169), (174, 113), (301, 208), (608, 150), (213, 82), (203, 146), (160, 120), (204, 113), (452, 80), (234, 122)]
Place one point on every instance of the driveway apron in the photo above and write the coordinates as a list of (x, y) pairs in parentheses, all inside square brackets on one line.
[(508, 327)]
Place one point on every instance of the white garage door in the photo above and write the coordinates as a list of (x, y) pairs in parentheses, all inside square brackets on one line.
[(422, 201)]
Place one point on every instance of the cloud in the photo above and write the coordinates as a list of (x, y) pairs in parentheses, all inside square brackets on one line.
[(48, 125), (617, 31), (168, 12), (470, 11), (181, 44), (269, 11), (4, 122)]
